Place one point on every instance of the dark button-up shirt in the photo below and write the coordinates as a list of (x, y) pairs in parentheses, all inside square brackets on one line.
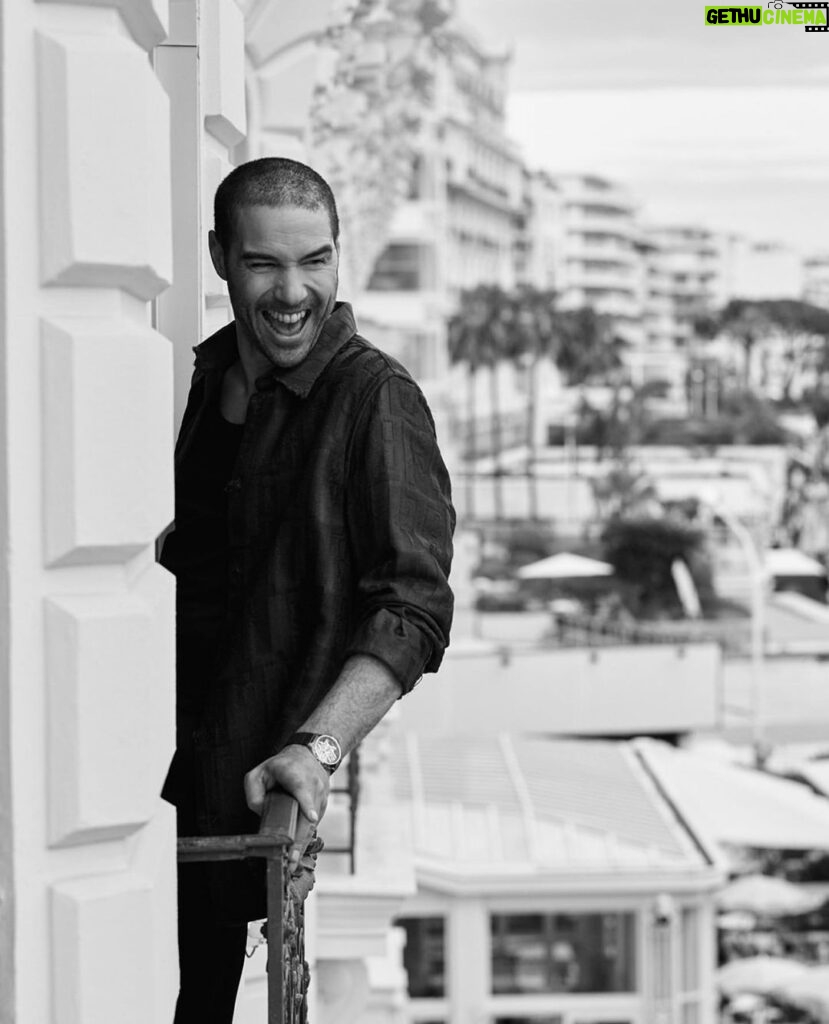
[(339, 542)]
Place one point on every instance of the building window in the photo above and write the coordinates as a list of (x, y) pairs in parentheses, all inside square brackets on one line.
[(540, 953), (689, 938), (424, 956), (558, 1019)]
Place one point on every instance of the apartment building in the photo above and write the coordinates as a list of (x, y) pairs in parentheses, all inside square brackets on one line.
[(695, 260), (455, 230), (816, 280), (764, 270), (599, 260)]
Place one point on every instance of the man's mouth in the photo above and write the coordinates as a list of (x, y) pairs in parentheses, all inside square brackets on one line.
[(285, 323)]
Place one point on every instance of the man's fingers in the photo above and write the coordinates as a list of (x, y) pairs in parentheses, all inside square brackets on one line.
[(255, 789), (297, 773), (308, 800)]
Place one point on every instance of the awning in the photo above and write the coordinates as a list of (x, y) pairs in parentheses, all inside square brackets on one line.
[(757, 974), (766, 896), (739, 806)]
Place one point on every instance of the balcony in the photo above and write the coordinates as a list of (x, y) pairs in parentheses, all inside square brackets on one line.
[(606, 279), (618, 225), (281, 828), (284, 990)]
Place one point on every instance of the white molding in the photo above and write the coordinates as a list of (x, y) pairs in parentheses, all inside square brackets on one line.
[(354, 915), (107, 434), (222, 40), (147, 20), (104, 166), (102, 958), (110, 726), (518, 882)]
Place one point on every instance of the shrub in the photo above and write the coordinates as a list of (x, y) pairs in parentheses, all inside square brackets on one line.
[(642, 551)]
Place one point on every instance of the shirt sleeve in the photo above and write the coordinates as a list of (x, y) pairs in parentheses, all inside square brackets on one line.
[(401, 522)]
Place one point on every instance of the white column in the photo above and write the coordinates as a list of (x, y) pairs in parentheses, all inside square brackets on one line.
[(87, 869), (469, 968)]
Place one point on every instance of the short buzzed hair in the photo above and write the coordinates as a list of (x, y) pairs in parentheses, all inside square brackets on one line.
[(271, 181)]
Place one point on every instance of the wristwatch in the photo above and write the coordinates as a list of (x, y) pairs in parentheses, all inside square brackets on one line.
[(326, 749)]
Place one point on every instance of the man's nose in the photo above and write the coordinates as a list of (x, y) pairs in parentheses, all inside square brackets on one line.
[(289, 286)]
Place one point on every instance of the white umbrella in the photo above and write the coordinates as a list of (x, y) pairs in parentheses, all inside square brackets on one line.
[(736, 921), (758, 974), (791, 562), (809, 990), (768, 897), (564, 566)]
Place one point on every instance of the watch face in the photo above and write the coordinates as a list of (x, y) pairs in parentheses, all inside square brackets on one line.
[(327, 750)]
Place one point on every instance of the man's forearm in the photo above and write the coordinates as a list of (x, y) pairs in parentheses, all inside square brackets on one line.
[(364, 691), (362, 694)]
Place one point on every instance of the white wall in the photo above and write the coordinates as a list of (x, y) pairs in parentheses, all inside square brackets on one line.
[(91, 202), (486, 688), (87, 673)]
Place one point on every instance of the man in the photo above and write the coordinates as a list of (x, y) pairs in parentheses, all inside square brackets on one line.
[(311, 548)]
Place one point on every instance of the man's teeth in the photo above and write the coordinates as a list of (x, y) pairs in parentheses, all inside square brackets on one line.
[(286, 318)]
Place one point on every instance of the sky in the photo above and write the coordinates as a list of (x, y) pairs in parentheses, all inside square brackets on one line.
[(724, 126)]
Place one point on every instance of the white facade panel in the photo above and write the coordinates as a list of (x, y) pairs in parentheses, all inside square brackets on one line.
[(87, 916), (103, 950), (105, 181), (108, 470), (108, 745)]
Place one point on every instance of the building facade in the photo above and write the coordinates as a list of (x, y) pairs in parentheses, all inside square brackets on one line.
[(816, 280), (111, 113), (555, 883), (456, 229), (599, 260)]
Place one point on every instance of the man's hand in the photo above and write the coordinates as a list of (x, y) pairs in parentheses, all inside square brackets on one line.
[(299, 773)]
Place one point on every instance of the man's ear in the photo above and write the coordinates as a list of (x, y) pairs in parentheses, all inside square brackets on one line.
[(217, 254)]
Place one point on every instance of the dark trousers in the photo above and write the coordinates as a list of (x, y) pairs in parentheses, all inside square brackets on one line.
[(210, 955)]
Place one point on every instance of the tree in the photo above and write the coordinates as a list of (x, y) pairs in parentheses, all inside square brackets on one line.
[(624, 490), (493, 325), (483, 332), (536, 338), (642, 551), (586, 345), (802, 328)]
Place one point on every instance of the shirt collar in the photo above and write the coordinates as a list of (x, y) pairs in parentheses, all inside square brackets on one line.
[(220, 351)]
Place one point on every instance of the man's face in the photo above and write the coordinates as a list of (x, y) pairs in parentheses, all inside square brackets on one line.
[(281, 272)]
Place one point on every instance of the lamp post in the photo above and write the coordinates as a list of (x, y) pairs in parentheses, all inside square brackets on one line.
[(754, 558)]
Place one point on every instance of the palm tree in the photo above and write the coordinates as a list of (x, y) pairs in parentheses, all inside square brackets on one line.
[(481, 333), (492, 325), (535, 339)]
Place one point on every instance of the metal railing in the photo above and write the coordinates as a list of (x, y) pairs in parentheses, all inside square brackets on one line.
[(350, 790), (281, 827), (585, 630)]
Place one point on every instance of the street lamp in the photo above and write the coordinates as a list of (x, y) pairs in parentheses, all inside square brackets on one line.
[(754, 557)]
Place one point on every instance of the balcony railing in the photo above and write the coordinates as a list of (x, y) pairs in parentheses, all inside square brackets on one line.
[(280, 828), (585, 630)]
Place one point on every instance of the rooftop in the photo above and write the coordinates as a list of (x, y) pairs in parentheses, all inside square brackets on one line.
[(506, 805)]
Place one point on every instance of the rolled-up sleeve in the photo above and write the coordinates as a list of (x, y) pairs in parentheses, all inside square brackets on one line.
[(401, 522)]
